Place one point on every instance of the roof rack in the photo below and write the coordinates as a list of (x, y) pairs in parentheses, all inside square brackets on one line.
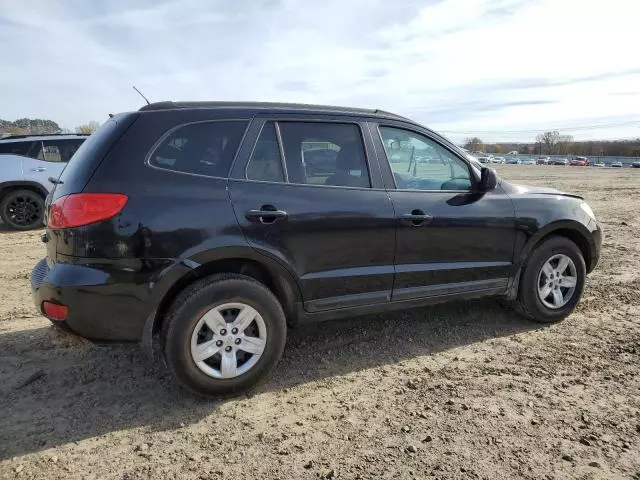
[(169, 105), (12, 137)]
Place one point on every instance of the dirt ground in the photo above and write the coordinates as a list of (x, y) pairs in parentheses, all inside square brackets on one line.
[(454, 392)]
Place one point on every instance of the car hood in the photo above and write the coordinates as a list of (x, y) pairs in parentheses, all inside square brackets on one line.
[(515, 189)]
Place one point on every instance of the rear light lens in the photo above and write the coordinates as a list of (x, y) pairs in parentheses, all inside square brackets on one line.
[(80, 209), (55, 311)]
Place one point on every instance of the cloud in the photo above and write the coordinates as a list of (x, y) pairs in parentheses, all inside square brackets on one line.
[(456, 65)]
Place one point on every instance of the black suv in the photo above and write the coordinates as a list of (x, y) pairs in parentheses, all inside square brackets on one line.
[(218, 225)]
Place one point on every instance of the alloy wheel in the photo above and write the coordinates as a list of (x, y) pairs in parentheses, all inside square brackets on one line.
[(23, 211), (557, 281)]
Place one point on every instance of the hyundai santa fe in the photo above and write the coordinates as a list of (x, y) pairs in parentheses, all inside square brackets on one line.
[(217, 226)]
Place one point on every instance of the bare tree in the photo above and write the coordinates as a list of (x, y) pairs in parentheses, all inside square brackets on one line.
[(474, 144), (565, 144), (88, 128), (549, 140)]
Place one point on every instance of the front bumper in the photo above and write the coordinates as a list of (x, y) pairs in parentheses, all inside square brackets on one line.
[(103, 304)]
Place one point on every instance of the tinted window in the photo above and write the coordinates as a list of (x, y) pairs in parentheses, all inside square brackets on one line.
[(204, 148), (15, 148), (266, 163), (420, 163), (324, 154), (55, 150)]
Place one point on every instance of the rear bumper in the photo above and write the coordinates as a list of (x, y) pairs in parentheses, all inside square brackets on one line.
[(103, 304)]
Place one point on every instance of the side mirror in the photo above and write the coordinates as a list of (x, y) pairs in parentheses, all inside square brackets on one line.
[(488, 179)]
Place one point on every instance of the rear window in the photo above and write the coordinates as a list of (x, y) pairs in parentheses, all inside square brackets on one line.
[(87, 158), (204, 148), (15, 148)]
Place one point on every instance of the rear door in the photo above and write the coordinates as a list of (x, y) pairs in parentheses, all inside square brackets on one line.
[(451, 238), (48, 158), (307, 191)]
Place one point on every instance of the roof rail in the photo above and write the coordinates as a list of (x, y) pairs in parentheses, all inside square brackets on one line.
[(169, 105), (12, 137), (389, 114)]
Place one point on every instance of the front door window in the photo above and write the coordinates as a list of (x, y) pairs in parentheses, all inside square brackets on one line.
[(419, 163)]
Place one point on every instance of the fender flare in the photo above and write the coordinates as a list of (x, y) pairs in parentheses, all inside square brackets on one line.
[(185, 271), (539, 236), (28, 184)]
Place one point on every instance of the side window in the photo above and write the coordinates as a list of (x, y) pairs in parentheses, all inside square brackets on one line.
[(50, 152), (15, 148), (68, 147), (319, 153), (266, 163), (420, 163), (205, 148)]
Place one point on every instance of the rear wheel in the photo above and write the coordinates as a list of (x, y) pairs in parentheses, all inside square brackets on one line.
[(552, 281), (22, 209), (224, 334)]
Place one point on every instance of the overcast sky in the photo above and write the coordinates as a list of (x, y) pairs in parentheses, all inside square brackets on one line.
[(501, 69)]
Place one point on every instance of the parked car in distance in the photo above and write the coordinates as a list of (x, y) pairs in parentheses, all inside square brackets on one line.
[(635, 164), (600, 165), (617, 165), (498, 160), (579, 162), (513, 153), (560, 161), (543, 161), (514, 161), (485, 159), (528, 162), (219, 237), (26, 164)]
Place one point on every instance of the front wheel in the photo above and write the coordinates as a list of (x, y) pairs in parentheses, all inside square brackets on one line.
[(224, 334), (552, 281), (22, 209)]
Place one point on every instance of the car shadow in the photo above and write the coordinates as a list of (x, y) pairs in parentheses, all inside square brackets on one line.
[(56, 388), (4, 228)]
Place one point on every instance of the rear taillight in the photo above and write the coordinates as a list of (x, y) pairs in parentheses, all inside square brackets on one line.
[(80, 209), (55, 311)]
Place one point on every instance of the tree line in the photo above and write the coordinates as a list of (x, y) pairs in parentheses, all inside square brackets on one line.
[(553, 143), (40, 126)]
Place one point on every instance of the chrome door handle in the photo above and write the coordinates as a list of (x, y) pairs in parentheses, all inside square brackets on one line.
[(267, 214), (38, 169), (416, 218)]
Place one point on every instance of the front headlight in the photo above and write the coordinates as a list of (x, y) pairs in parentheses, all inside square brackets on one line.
[(587, 209)]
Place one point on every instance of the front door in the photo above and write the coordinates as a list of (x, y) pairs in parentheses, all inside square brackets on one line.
[(451, 238), (308, 197)]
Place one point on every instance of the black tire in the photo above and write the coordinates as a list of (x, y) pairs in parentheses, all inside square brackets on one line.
[(528, 302), (22, 209), (188, 308)]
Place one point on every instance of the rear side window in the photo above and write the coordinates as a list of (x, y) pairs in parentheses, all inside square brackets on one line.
[(315, 153), (55, 150), (205, 148), (266, 162), (15, 148), (320, 153)]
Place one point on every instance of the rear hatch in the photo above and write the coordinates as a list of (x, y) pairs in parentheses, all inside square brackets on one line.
[(81, 167)]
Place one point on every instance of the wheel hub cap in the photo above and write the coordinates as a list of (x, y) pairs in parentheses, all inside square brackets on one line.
[(228, 340)]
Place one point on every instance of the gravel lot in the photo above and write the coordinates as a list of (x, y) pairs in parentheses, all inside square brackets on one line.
[(461, 391)]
